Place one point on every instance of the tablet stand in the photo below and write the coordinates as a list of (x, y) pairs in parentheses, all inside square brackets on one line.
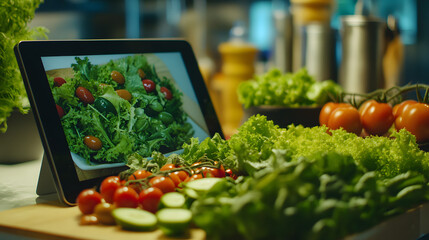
[(46, 184)]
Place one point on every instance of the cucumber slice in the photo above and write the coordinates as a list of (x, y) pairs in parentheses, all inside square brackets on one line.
[(173, 200), (174, 221), (134, 219), (203, 184)]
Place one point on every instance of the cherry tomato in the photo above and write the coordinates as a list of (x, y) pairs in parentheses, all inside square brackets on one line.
[(124, 94), (181, 174), (117, 77), (164, 183), (327, 109), (194, 177), (175, 178), (210, 171), (58, 81), (141, 73), (376, 117), (139, 174), (415, 118), (167, 93), (88, 219), (399, 108), (84, 95), (126, 197), (93, 143), (149, 199), (87, 200), (230, 173), (103, 212), (60, 111), (347, 118), (148, 85), (108, 187)]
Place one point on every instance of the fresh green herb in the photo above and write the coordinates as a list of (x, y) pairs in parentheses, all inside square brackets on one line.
[(14, 17), (287, 90)]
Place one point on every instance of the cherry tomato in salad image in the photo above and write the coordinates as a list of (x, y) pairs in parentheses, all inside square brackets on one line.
[(59, 81), (194, 177), (141, 73), (148, 85), (376, 117), (87, 200), (181, 174), (165, 184), (93, 143), (126, 197), (117, 77), (60, 110), (415, 119), (347, 118), (108, 187), (327, 109), (230, 173), (84, 95), (149, 199), (167, 93), (124, 94), (175, 178)]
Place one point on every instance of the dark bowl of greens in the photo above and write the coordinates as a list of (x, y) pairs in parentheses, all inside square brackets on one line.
[(291, 98)]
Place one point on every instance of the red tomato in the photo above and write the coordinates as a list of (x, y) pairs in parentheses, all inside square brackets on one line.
[(347, 118), (230, 173), (58, 81), (175, 178), (117, 77), (60, 110), (149, 199), (84, 95), (376, 117), (93, 143), (210, 171), (327, 109), (108, 187), (139, 174), (181, 174), (87, 200), (167, 93), (194, 177), (164, 183), (415, 118), (126, 197), (148, 85), (399, 108), (168, 166)]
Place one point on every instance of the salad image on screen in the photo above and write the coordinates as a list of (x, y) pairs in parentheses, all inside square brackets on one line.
[(111, 110)]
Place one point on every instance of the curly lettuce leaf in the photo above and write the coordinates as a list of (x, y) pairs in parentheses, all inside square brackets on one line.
[(14, 17)]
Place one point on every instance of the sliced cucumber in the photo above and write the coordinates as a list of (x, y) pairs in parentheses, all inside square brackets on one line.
[(203, 184), (173, 200), (134, 219), (174, 221)]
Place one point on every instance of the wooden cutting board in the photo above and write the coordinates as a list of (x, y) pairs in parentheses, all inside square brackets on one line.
[(57, 222)]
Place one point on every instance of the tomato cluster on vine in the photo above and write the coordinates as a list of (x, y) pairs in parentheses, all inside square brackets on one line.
[(141, 189), (375, 115)]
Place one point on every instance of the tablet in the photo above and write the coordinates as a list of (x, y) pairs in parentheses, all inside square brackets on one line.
[(98, 101)]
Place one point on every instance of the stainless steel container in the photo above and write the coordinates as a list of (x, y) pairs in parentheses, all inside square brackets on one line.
[(362, 53), (313, 48), (283, 40)]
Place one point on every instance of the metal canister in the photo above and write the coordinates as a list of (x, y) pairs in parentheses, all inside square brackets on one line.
[(313, 48), (362, 53)]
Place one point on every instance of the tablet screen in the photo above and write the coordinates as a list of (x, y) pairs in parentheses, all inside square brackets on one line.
[(114, 105)]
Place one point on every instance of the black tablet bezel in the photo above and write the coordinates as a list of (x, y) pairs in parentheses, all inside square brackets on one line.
[(29, 55)]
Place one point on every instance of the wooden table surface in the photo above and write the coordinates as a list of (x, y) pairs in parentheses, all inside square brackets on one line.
[(49, 221)]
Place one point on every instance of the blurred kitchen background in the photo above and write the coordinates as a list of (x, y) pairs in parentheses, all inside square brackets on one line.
[(287, 34)]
